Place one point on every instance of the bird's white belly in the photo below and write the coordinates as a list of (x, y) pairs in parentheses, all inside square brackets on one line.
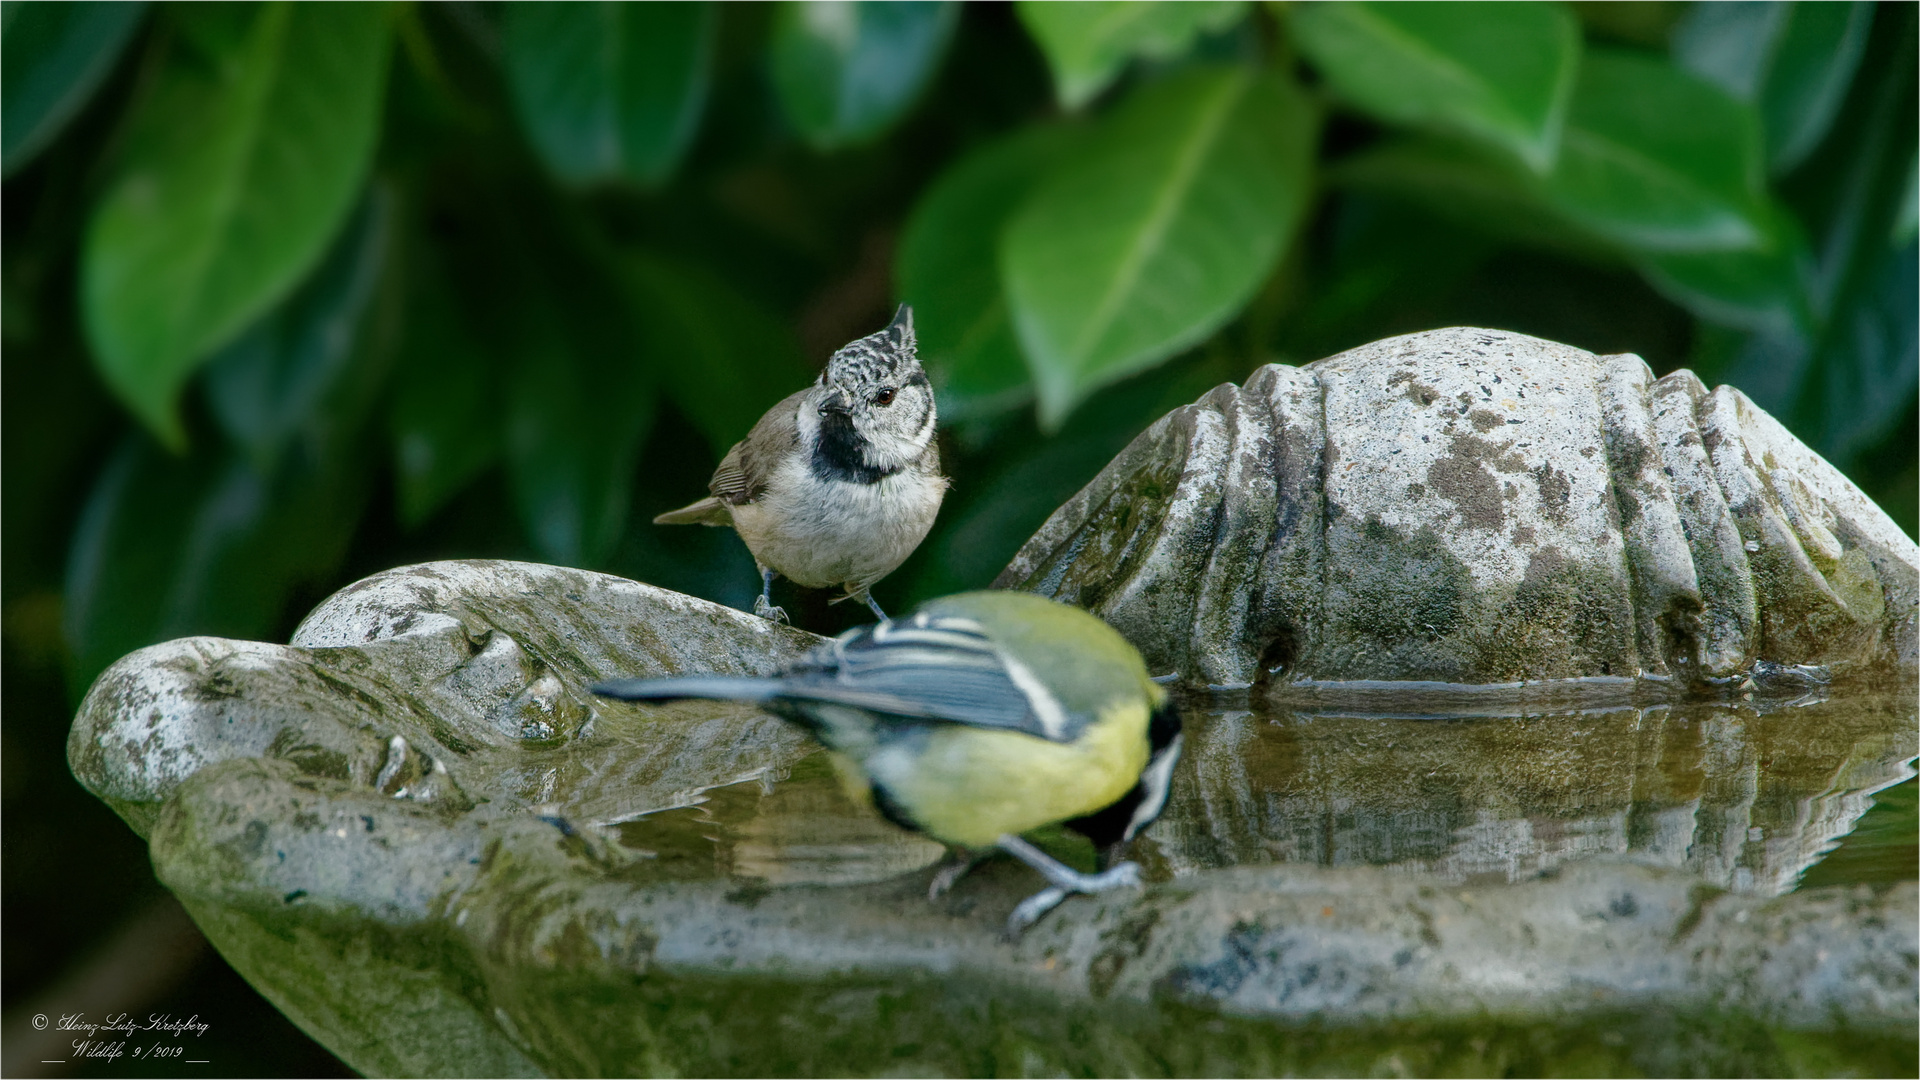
[(823, 533)]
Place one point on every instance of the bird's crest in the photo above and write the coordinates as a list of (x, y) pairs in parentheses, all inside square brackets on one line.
[(880, 356)]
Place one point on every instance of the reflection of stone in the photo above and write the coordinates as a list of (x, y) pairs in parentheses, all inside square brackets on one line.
[(367, 827), (1476, 506), (1748, 798), (803, 830)]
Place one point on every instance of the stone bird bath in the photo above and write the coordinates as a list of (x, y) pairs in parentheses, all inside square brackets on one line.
[(416, 833)]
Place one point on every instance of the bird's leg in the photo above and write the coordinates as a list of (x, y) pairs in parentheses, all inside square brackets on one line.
[(959, 862), (1064, 880), (877, 613), (763, 604)]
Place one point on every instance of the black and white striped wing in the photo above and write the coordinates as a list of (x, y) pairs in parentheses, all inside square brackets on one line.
[(943, 669)]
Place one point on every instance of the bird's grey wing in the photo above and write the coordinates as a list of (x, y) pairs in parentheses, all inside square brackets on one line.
[(940, 670), (730, 483), (743, 474)]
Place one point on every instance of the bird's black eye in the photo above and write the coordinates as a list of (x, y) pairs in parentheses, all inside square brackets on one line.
[(883, 396)]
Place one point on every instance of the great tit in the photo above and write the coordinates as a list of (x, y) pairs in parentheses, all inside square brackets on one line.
[(981, 717), (838, 483)]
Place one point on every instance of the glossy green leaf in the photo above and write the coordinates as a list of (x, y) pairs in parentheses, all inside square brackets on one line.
[(310, 367), (52, 58), (1388, 264), (948, 268), (724, 359), (610, 91), (1869, 358), (579, 403), (1088, 44), (846, 70), (1656, 159), (1793, 61), (1763, 290), (1156, 231), (572, 444), (445, 416), (1905, 224), (1502, 72), (240, 166), (1470, 185), (169, 546)]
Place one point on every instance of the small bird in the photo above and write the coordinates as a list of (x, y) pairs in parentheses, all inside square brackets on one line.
[(838, 483), (983, 716)]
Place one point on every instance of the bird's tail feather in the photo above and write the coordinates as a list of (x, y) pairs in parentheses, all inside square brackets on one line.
[(708, 511), (714, 687)]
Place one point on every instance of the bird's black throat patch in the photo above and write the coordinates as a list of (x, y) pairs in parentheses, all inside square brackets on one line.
[(840, 453)]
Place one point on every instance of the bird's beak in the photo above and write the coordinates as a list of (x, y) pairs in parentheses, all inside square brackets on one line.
[(835, 402)]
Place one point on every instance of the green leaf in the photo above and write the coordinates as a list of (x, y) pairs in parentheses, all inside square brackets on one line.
[(240, 166), (579, 403), (1387, 263), (1904, 226), (610, 91), (1469, 185), (845, 70), (52, 58), (1156, 232), (724, 359), (573, 441), (445, 414), (1754, 290), (1088, 44), (1869, 359), (1502, 72), (948, 269), (1793, 61), (1655, 159), (169, 546), (310, 367)]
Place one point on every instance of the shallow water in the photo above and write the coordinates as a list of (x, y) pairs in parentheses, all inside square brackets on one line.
[(1756, 797), (1751, 797)]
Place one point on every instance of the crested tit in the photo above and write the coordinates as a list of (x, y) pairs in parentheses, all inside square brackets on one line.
[(838, 483)]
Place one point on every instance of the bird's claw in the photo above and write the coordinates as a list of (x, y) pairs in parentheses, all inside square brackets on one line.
[(1063, 881), (766, 610), (1124, 875), (1032, 908), (944, 880)]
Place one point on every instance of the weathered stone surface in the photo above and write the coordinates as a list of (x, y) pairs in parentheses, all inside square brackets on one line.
[(1474, 506), (376, 829), (450, 657)]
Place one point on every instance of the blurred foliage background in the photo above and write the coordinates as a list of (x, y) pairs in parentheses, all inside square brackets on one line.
[(297, 292)]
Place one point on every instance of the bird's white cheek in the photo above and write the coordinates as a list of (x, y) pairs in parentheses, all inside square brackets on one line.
[(807, 422)]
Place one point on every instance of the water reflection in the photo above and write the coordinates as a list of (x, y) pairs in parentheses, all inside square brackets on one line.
[(798, 829), (1748, 796)]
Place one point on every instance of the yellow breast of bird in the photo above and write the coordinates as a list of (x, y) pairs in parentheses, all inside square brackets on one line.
[(969, 785)]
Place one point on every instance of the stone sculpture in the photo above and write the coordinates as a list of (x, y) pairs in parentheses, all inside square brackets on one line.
[(1475, 506)]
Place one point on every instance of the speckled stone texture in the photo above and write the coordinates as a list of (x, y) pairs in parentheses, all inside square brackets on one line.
[(1474, 506), (419, 837)]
